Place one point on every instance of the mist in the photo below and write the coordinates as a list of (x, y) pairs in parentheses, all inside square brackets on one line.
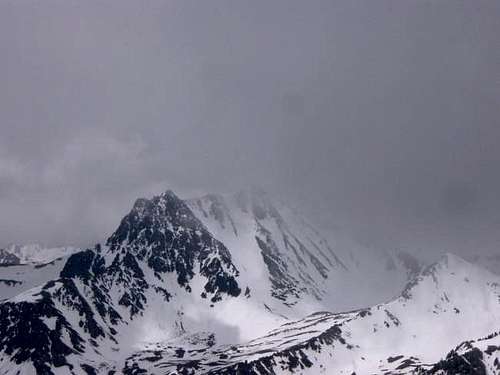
[(379, 120)]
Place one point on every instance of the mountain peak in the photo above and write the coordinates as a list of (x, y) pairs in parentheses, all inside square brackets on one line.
[(449, 270), (168, 194), (164, 233), (163, 207), (140, 204)]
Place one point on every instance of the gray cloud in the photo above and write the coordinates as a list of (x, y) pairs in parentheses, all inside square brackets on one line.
[(380, 118)]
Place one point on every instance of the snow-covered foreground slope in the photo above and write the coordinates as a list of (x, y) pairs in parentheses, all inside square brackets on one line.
[(446, 305)]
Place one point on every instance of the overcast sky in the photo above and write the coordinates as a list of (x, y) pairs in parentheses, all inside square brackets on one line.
[(378, 118)]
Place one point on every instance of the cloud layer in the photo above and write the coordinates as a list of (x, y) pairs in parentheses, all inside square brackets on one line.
[(380, 118)]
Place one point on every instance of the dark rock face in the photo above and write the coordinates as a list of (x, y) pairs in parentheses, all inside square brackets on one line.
[(8, 259), (282, 283), (468, 363), (466, 358), (10, 282), (83, 265), (25, 335)]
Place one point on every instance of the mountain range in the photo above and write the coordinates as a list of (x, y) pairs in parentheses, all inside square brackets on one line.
[(241, 284)]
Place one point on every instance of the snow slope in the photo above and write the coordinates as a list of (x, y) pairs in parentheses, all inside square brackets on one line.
[(15, 279), (289, 265), (448, 303)]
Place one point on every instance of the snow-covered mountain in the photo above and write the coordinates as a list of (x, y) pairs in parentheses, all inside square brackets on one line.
[(221, 285), (292, 267), (33, 253), (7, 258), (161, 275), (426, 330)]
